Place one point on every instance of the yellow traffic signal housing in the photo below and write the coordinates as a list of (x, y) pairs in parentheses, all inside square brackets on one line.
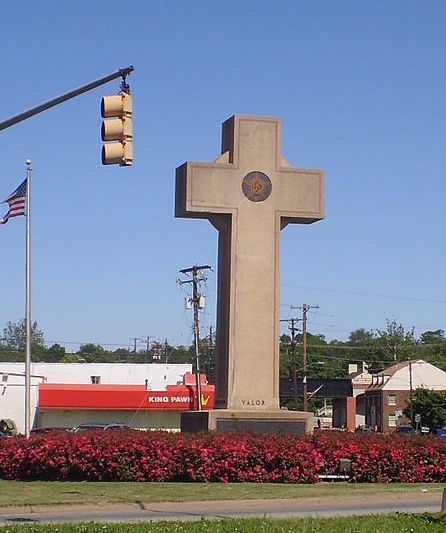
[(117, 126)]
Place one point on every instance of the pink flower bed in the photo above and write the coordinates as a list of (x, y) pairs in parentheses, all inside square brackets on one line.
[(160, 456)]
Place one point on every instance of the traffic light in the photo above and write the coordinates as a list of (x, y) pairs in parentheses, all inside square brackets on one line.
[(117, 126)]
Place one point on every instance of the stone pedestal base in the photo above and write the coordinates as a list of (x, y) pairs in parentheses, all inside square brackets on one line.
[(224, 421)]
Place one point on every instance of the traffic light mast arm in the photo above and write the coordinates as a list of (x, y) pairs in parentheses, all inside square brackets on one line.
[(123, 72)]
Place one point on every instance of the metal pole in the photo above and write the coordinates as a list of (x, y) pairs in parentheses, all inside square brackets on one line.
[(196, 339), (293, 352), (304, 355), (122, 72), (411, 392), (28, 304)]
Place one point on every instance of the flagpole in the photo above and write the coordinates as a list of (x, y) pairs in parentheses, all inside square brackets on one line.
[(28, 305)]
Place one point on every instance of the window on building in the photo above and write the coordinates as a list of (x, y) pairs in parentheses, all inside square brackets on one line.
[(392, 399), (392, 421), (95, 380)]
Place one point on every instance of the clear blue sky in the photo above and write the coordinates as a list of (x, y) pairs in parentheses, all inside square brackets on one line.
[(360, 88)]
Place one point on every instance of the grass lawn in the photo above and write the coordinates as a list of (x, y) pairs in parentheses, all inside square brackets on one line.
[(20, 493), (366, 524), (54, 493)]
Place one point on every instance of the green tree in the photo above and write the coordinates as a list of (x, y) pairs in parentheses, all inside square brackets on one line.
[(285, 356), (95, 353), (333, 356), (55, 353), (11, 356), (365, 346), (430, 405), (14, 340), (433, 337), (432, 347), (361, 338), (122, 354), (207, 357), (181, 354), (395, 343), (14, 335), (72, 358)]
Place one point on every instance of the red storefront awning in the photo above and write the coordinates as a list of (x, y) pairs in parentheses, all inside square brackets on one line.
[(122, 397)]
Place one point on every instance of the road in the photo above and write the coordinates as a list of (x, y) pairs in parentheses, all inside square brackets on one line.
[(186, 511)]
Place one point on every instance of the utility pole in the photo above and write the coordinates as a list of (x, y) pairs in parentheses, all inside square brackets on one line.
[(411, 393), (211, 340), (293, 329), (305, 308), (197, 277), (147, 347), (134, 339), (211, 359)]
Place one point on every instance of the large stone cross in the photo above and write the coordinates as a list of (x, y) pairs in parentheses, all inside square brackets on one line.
[(249, 194)]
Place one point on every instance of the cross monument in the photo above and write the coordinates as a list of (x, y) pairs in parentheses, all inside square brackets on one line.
[(249, 194)]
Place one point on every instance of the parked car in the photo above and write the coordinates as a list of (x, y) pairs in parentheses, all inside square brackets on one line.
[(8, 428), (441, 433), (44, 431), (405, 429), (101, 426), (364, 429)]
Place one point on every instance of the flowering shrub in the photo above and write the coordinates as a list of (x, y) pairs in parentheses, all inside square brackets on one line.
[(161, 456)]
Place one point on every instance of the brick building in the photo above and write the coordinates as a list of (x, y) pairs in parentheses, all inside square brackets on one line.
[(386, 397), (349, 412)]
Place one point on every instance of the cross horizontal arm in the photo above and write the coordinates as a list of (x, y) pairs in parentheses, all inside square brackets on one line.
[(205, 188), (301, 195)]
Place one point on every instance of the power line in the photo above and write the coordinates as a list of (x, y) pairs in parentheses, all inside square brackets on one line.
[(368, 294)]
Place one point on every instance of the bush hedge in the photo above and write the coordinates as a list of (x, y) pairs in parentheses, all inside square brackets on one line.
[(162, 456)]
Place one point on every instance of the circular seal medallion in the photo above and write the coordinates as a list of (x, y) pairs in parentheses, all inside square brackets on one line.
[(256, 186)]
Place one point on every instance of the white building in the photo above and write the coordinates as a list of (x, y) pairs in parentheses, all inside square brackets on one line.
[(66, 394)]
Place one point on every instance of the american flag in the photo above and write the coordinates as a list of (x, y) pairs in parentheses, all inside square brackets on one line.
[(16, 202)]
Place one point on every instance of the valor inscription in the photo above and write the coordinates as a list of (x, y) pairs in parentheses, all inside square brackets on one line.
[(256, 186), (253, 402)]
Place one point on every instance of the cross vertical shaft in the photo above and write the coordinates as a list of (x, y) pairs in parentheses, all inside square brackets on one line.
[(249, 193)]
